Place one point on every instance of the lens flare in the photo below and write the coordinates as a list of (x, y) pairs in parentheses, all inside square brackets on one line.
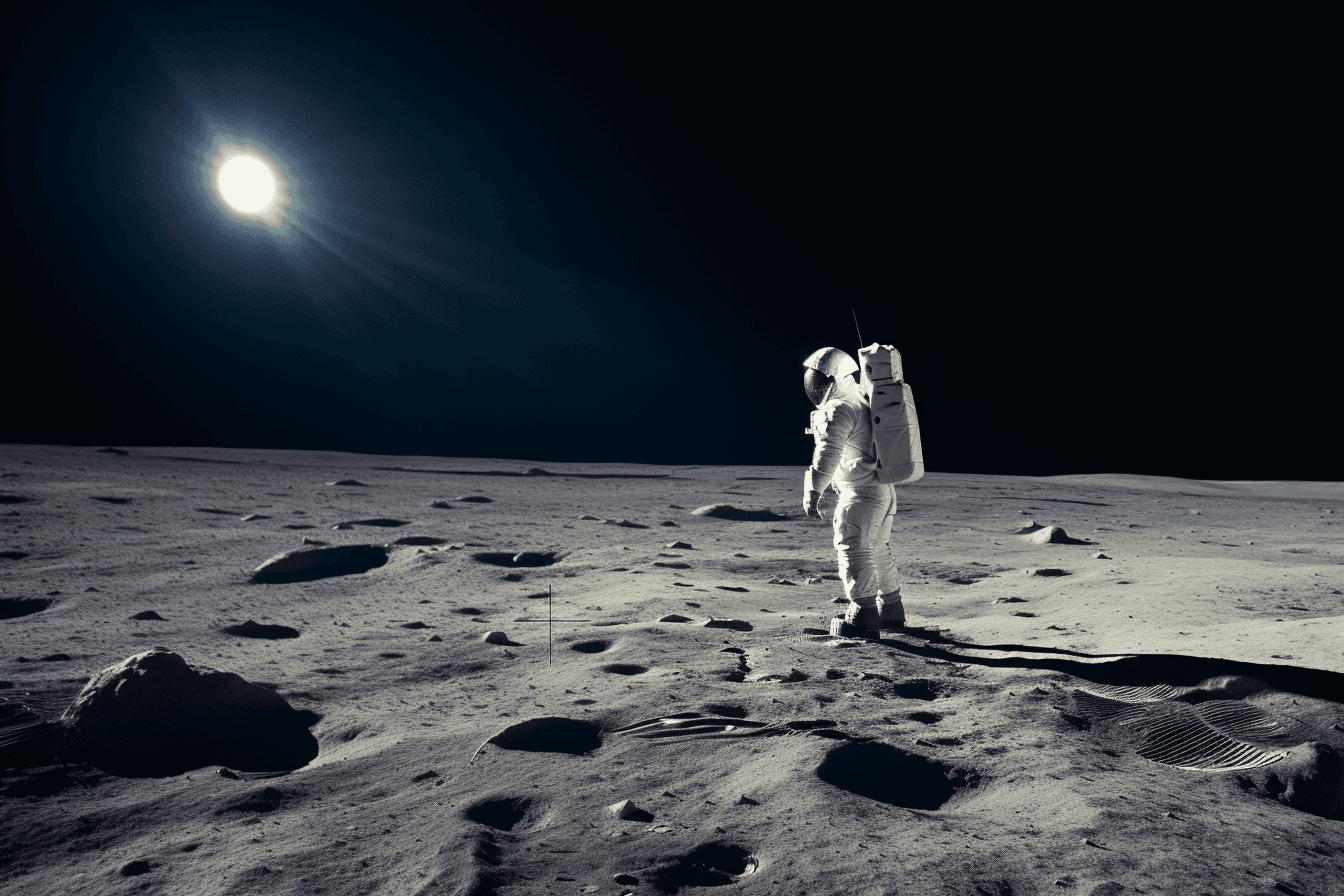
[(249, 183)]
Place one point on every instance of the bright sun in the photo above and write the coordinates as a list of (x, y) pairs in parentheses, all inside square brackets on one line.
[(247, 183)]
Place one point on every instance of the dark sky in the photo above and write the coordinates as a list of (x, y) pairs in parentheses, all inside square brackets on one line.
[(612, 232)]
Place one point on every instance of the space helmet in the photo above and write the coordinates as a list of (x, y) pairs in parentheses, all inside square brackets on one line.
[(822, 368)]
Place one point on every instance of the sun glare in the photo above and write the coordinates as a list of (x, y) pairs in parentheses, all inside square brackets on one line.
[(246, 183), (249, 183)]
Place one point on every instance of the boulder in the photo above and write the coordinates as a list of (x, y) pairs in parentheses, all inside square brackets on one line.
[(155, 715)]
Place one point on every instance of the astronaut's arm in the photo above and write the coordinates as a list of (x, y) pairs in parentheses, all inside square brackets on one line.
[(830, 428)]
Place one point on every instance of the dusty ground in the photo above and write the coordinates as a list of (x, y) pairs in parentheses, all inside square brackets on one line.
[(917, 765)]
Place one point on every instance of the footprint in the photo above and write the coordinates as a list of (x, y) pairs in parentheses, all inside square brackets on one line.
[(1212, 735)]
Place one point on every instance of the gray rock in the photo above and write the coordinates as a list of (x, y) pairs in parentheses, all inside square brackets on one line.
[(495, 638)]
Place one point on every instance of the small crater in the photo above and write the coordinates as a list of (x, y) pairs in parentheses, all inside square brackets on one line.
[(419, 540), (135, 868), (889, 775), (917, 689), (552, 734), (251, 629), (925, 718), (515, 558), (311, 564), (625, 668), (501, 814), (710, 865), (112, 500), (14, 607), (591, 646), (475, 499)]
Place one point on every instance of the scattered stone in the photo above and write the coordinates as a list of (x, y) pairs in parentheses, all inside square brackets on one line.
[(495, 638), (1030, 527), (1025, 614), (147, 615), (441, 505), (679, 546), (789, 676), (153, 715), (623, 809), (415, 625), (666, 565), (673, 617), (1046, 571), (812, 580), (434, 638), (254, 516), (626, 524), (312, 541), (348, 482), (780, 581), (298, 526), (135, 868), (668, 523), (1100, 556), (741, 556), (745, 800), (1053, 535), (584, 516), (379, 522), (56, 658), (730, 588), (1010, 600), (425, 776), (475, 499), (250, 629), (342, 526)]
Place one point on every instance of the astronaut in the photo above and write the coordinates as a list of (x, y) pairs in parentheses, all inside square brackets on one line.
[(844, 459)]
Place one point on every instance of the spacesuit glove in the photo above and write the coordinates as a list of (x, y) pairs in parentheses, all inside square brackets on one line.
[(810, 508)]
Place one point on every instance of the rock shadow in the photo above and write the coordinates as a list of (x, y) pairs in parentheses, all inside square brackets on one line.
[(311, 564), (890, 775)]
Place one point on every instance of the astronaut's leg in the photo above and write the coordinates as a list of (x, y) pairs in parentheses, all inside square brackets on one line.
[(858, 516), (890, 610)]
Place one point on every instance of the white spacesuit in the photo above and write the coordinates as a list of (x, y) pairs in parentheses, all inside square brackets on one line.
[(844, 459)]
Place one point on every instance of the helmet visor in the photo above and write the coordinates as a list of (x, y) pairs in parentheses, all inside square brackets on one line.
[(815, 383)]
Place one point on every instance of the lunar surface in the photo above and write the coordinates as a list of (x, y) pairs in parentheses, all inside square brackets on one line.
[(286, 672)]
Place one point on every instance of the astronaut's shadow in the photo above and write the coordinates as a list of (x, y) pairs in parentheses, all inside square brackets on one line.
[(1134, 670)]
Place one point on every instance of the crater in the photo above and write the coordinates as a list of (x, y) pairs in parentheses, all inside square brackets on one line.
[(502, 814), (710, 865), (551, 734), (311, 564), (917, 689), (591, 646), (516, 558), (625, 669), (14, 607), (419, 540), (889, 775), (251, 629)]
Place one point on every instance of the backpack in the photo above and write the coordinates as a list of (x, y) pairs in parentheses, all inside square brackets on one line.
[(900, 456)]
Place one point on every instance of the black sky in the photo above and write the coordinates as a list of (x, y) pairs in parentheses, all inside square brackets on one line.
[(612, 231)]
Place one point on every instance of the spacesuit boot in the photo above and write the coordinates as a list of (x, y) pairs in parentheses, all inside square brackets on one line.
[(890, 611)]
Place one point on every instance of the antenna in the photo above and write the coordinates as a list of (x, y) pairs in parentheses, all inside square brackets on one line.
[(856, 327)]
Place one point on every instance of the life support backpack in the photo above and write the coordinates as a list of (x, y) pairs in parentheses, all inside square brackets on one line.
[(900, 456)]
